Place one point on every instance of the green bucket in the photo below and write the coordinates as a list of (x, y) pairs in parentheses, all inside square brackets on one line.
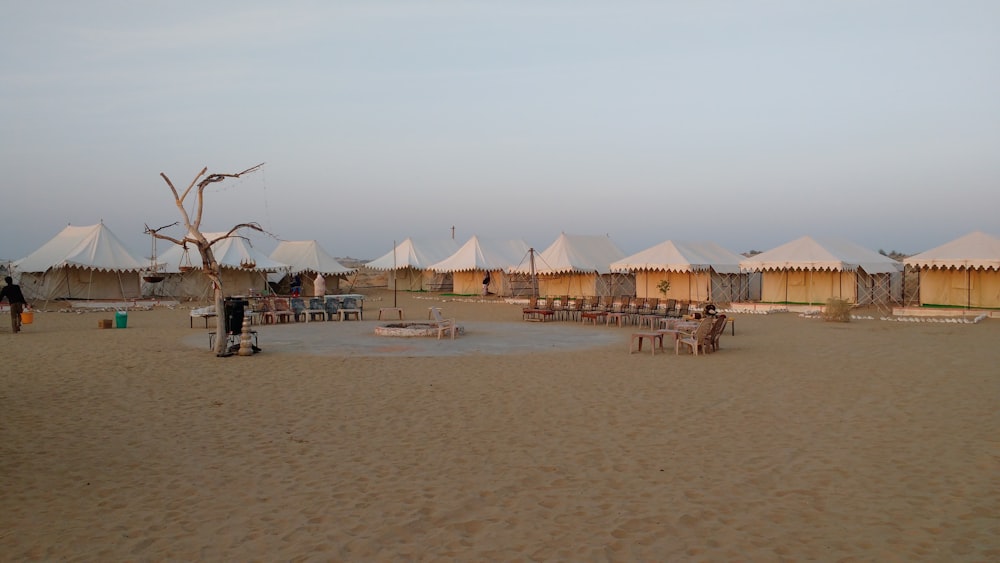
[(121, 319)]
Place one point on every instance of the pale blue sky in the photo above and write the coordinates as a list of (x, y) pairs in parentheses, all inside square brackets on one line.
[(749, 123)]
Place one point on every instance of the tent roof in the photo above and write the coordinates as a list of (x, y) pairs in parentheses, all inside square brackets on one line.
[(418, 254), (974, 250), (833, 254), (484, 254), (231, 252), (681, 256), (93, 247), (307, 256), (576, 253)]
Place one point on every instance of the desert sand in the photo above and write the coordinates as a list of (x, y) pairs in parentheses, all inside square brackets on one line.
[(799, 440)]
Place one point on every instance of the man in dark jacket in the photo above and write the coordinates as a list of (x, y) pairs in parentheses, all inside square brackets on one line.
[(12, 293)]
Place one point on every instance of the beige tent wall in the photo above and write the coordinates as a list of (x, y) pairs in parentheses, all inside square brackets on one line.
[(684, 286), (807, 286), (468, 283), (572, 284), (80, 283), (960, 288), (412, 279), (692, 286), (471, 283), (195, 285), (586, 284), (406, 279)]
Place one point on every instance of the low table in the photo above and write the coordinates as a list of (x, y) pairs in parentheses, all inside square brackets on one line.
[(654, 338), (592, 316), (390, 311)]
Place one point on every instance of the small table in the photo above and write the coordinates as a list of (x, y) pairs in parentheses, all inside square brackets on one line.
[(390, 310), (616, 318), (654, 338), (345, 314), (592, 316)]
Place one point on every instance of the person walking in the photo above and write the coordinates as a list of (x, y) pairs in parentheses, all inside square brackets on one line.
[(486, 284), (12, 293)]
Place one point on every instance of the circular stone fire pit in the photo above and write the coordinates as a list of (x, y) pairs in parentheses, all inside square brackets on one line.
[(410, 329)]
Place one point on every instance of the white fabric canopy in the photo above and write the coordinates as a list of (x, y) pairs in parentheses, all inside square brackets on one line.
[(485, 255), (418, 254), (307, 256), (93, 247), (831, 254), (976, 250), (681, 256), (576, 253), (232, 252)]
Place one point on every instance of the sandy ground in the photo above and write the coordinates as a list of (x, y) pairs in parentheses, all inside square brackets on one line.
[(799, 440)]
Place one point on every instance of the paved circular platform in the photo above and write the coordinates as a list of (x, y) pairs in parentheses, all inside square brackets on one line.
[(358, 338)]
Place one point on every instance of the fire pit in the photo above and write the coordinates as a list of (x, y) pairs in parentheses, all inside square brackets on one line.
[(410, 329)]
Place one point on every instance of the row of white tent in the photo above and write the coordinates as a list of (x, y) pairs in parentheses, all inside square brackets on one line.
[(962, 273), (91, 263)]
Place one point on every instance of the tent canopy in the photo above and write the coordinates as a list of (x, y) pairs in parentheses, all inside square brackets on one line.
[(233, 252), (576, 253), (830, 254), (681, 256), (484, 255), (418, 254), (308, 256), (93, 247), (976, 250)]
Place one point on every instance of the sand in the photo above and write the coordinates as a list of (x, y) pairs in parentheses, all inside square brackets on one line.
[(799, 440)]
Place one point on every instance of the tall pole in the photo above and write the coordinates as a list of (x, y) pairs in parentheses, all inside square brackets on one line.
[(395, 275), (534, 279)]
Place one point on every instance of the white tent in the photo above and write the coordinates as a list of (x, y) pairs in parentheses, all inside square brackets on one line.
[(811, 271), (409, 263), (697, 271), (477, 256), (962, 273), (580, 266), (80, 263), (308, 257), (244, 268)]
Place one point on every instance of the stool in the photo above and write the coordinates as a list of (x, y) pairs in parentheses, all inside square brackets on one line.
[(654, 338), (390, 310)]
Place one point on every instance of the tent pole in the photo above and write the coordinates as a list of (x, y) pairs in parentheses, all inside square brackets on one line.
[(534, 278), (968, 288), (395, 275)]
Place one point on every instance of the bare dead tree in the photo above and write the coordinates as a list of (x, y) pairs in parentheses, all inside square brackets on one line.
[(210, 266)]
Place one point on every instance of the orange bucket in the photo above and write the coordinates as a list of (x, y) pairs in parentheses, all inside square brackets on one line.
[(27, 317)]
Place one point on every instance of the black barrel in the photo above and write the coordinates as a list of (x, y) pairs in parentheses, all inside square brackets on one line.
[(235, 307)]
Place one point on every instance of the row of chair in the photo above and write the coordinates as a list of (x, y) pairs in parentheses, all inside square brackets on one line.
[(625, 309), (293, 309)]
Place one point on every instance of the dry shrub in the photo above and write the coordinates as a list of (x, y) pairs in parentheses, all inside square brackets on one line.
[(837, 310)]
